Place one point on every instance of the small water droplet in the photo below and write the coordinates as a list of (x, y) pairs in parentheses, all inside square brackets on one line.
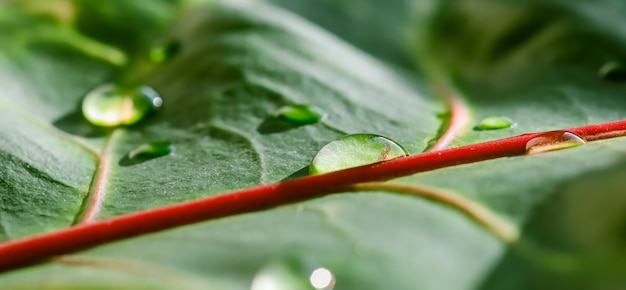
[(300, 114), (109, 105), (322, 279), (551, 141), (151, 150), (495, 123), (355, 150), (280, 275), (165, 52), (614, 71)]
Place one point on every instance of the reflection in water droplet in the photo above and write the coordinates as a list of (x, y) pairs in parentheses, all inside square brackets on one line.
[(355, 150), (109, 105), (322, 279), (164, 53), (299, 115), (495, 123), (552, 141), (151, 150), (613, 71)]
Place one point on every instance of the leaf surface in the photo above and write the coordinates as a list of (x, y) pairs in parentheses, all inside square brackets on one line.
[(239, 63)]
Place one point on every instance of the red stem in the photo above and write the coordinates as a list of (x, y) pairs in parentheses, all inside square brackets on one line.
[(22, 252)]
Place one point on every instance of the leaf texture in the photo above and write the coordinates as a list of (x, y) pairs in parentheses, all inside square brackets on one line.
[(373, 68)]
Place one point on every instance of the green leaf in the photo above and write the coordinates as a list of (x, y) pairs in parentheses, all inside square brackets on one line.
[(372, 67)]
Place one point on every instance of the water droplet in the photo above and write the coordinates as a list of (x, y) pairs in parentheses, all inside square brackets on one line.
[(300, 114), (166, 52), (151, 150), (495, 123), (322, 279), (355, 150), (280, 276), (552, 141), (613, 71), (109, 105)]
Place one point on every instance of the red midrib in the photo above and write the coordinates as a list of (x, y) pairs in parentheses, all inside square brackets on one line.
[(18, 253)]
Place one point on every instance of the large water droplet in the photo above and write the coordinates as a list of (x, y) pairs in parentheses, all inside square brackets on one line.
[(355, 150), (151, 150), (495, 123), (109, 105), (299, 115), (613, 71), (322, 279), (551, 141), (165, 52)]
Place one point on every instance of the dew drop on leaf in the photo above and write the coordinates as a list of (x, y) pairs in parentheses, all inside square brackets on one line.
[(299, 115), (151, 150), (322, 279), (494, 123), (109, 105), (165, 52), (355, 150), (551, 141), (280, 275), (614, 71)]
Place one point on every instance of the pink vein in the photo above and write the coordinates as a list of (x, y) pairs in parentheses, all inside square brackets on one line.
[(477, 212), (96, 194), (459, 116)]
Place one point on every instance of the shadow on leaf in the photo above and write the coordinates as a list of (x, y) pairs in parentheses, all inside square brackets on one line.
[(75, 124), (272, 125), (127, 161), (300, 173)]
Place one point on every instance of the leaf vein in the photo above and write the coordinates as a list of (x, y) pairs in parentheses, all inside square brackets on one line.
[(95, 197)]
